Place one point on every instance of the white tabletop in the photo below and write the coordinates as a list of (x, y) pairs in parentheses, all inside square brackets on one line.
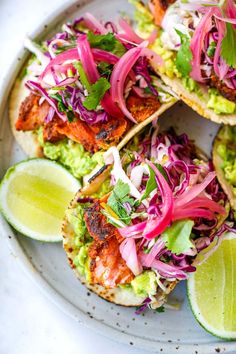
[(29, 322)]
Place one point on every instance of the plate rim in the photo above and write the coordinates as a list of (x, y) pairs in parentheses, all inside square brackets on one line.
[(35, 276)]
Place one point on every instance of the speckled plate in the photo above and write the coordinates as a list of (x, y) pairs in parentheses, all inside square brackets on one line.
[(168, 332)]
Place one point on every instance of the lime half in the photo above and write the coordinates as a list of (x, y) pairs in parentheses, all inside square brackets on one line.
[(212, 290), (34, 195)]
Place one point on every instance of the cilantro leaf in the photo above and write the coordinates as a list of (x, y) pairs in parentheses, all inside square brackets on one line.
[(228, 46), (118, 197), (102, 41), (151, 183), (184, 55), (121, 189), (96, 93), (160, 309), (211, 49), (70, 116), (62, 108), (104, 69), (147, 90), (106, 42), (57, 97), (119, 49), (177, 236)]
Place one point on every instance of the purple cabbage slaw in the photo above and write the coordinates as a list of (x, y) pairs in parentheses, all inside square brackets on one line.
[(186, 190), (114, 53)]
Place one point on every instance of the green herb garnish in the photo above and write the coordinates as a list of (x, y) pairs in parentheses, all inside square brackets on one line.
[(151, 183), (106, 42), (62, 108), (104, 69), (211, 49), (82, 75), (177, 236), (228, 46), (184, 55), (96, 93), (118, 197), (160, 309)]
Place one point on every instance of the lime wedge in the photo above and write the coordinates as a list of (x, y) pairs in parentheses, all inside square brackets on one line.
[(212, 290), (34, 195)]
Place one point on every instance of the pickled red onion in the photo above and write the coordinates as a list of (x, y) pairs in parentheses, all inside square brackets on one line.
[(92, 73), (119, 75), (194, 191), (156, 226), (129, 254), (192, 214)]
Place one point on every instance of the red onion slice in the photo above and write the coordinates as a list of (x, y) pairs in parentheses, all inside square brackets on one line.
[(194, 191), (157, 225), (93, 24), (129, 254)]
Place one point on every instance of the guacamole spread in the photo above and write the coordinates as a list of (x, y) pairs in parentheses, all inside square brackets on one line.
[(219, 103), (227, 151), (81, 240), (145, 284), (71, 155)]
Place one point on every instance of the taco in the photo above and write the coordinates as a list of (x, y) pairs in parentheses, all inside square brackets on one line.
[(160, 207), (84, 90), (224, 160), (196, 41)]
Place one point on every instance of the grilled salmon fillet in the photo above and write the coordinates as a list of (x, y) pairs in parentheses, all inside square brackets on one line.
[(225, 91), (31, 114), (107, 267), (159, 9), (142, 108), (97, 224), (94, 137)]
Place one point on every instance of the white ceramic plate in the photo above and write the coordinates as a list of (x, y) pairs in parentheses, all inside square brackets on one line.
[(168, 332)]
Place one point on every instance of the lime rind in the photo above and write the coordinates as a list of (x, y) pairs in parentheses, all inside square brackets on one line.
[(191, 294), (220, 334), (12, 172)]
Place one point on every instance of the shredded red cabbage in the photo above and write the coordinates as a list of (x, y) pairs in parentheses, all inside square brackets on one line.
[(186, 189), (62, 77), (144, 306), (34, 86)]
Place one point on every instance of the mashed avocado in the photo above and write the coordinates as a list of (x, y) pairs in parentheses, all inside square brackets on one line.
[(145, 284), (143, 17), (71, 155), (219, 103), (81, 240), (82, 263), (75, 217), (191, 85), (105, 188), (227, 151), (168, 67)]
